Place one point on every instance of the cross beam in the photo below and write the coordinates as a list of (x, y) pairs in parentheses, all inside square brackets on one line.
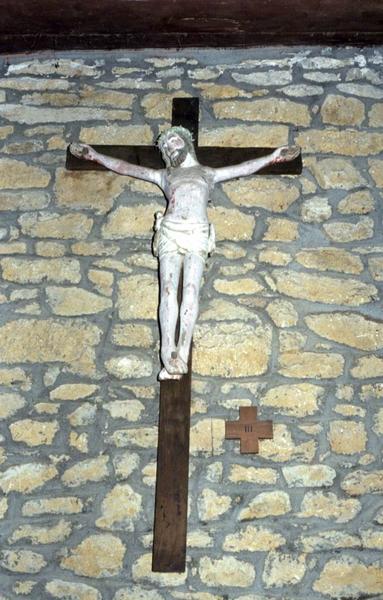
[(185, 113)]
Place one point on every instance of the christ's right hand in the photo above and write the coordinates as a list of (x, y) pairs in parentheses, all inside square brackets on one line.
[(83, 151)]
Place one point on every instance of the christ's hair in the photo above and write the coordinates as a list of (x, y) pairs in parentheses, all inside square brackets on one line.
[(183, 133)]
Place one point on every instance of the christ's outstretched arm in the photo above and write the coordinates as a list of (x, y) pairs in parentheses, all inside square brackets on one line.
[(118, 166), (283, 154)]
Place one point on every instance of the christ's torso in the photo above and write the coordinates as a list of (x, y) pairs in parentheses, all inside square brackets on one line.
[(187, 190)]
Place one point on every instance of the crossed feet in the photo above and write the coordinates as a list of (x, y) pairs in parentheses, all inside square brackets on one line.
[(174, 367)]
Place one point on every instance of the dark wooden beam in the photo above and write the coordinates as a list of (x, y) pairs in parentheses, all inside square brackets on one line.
[(101, 24), (27, 43), (170, 518)]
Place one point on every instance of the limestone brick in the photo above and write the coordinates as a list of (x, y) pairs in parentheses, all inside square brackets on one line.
[(142, 571), (90, 191), (92, 469), (283, 569), (68, 505), (328, 290), (275, 257), (269, 193), (367, 367), (376, 171), (375, 266), (31, 115), (343, 232), (282, 447), (346, 576), (348, 142), (26, 478), (329, 540), (281, 230), (125, 463), (33, 341), (231, 224), (50, 249), (235, 287), (129, 410), (143, 437), (309, 475), (96, 556), (241, 136), (328, 506), (10, 403), (376, 115), (259, 476), (330, 259), (316, 210), (313, 365), (84, 415), (102, 281), (335, 173), (266, 504), (131, 221), (274, 110), (72, 301), (351, 329), (227, 571), (42, 535), (34, 433), (56, 270), (212, 505), (129, 366), (283, 313), (73, 391), (138, 297), (120, 508), (342, 110), (117, 134), (359, 483), (245, 349), (58, 588), (299, 400), (358, 203), (16, 174), (54, 225), (207, 436), (253, 539), (22, 561)]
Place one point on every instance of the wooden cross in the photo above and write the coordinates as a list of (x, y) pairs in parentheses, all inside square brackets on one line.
[(248, 430), (170, 521)]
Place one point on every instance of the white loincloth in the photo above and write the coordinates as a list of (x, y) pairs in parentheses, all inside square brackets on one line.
[(182, 238)]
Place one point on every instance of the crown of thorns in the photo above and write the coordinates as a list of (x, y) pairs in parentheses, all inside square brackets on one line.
[(181, 131)]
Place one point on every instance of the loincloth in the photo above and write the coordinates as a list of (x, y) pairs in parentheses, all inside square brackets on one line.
[(182, 238)]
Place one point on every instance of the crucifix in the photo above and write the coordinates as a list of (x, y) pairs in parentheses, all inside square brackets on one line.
[(183, 240)]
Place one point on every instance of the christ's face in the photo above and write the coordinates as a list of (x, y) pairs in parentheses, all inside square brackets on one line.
[(174, 148)]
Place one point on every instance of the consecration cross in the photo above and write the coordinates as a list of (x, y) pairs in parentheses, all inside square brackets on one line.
[(183, 240), (248, 430)]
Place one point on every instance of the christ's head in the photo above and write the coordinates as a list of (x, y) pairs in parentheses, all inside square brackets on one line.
[(175, 144)]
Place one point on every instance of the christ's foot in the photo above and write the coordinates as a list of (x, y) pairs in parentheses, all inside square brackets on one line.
[(164, 375)]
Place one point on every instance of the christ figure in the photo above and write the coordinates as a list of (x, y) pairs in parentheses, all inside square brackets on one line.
[(183, 235)]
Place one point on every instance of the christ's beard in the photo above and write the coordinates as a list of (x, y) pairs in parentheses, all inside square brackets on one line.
[(178, 158)]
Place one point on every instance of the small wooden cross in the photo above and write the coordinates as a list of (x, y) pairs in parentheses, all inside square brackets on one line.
[(248, 430), (170, 523)]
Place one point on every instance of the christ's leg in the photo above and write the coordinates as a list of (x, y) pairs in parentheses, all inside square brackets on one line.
[(170, 269), (193, 269)]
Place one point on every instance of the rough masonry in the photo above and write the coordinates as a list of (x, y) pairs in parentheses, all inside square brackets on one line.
[(290, 321)]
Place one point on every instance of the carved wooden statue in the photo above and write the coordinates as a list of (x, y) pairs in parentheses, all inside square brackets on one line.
[(183, 236)]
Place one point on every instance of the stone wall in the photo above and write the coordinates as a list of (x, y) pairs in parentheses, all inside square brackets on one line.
[(290, 321)]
